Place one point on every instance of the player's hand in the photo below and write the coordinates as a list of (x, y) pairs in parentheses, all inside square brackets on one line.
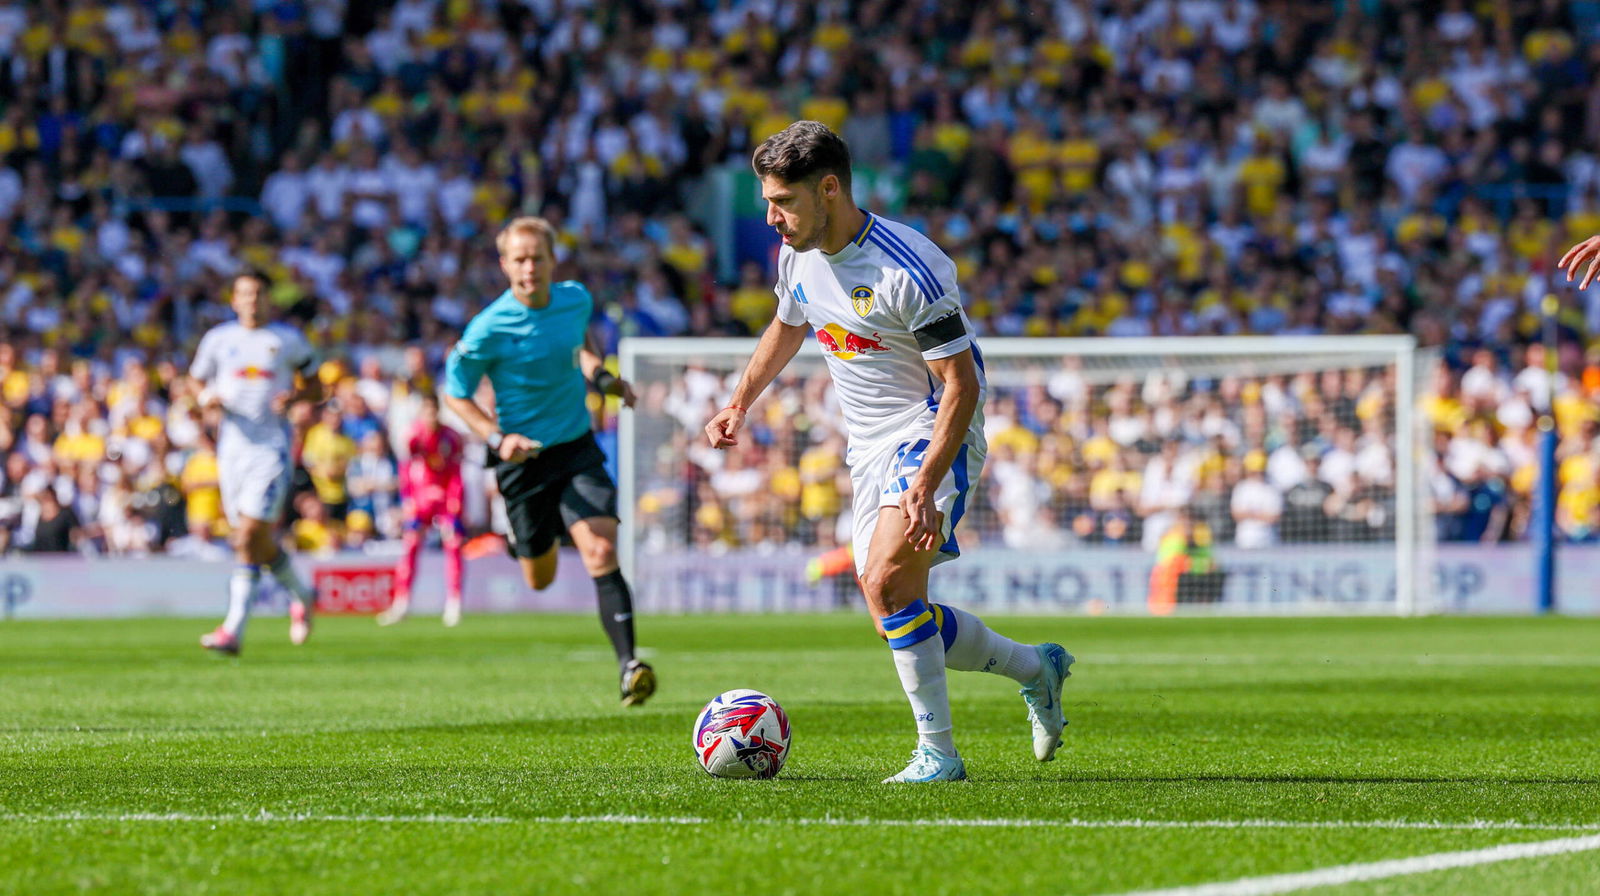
[(207, 400), (625, 392), (922, 521), (723, 430), (516, 448), (1588, 250), (280, 402)]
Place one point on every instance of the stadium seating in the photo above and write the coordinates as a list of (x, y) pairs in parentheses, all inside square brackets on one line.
[(1095, 169)]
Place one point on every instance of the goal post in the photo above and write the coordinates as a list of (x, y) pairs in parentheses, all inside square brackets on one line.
[(1129, 475)]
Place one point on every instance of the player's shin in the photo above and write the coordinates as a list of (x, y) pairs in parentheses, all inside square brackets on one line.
[(405, 570), (919, 657), (453, 566), (971, 646), (283, 571), (616, 612), (241, 591)]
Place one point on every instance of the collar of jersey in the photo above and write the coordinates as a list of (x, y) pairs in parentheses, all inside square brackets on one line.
[(857, 242), (516, 307)]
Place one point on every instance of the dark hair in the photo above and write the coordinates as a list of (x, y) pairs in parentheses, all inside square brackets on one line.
[(255, 274), (805, 150)]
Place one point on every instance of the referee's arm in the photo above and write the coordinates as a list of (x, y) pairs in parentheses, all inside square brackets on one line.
[(462, 373), (592, 364)]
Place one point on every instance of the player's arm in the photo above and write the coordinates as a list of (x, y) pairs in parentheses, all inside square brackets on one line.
[(306, 385), (1586, 251), (957, 404), (591, 361), (203, 370), (465, 368), (403, 473), (455, 485), (306, 388), (774, 351)]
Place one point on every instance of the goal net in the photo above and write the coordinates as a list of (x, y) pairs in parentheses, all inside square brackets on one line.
[(1241, 475)]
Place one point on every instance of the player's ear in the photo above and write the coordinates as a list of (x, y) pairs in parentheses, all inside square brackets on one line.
[(828, 186)]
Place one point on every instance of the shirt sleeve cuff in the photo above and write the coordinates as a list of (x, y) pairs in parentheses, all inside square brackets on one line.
[(949, 349)]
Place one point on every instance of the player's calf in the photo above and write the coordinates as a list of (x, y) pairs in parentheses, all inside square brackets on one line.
[(971, 646), (540, 572)]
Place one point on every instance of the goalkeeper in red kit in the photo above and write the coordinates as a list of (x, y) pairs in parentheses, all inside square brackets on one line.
[(430, 493)]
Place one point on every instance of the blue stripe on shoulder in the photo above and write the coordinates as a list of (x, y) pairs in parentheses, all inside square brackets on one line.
[(894, 254), (915, 259)]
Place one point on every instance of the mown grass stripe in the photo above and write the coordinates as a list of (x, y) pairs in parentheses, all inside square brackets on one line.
[(1155, 823)]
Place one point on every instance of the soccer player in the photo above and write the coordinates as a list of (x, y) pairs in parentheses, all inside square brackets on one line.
[(883, 302), (533, 344), (253, 370), (430, 492)]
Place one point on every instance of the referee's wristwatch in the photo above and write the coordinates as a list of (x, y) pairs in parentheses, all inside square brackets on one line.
[(494, 440)]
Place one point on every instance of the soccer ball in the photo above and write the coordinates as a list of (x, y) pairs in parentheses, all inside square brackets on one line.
[(742, 734)]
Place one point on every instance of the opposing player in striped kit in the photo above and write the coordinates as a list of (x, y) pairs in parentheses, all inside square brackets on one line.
[(883, 303)]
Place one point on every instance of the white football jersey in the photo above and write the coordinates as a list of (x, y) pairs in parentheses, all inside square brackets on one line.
[(881, 307), (246, 368)]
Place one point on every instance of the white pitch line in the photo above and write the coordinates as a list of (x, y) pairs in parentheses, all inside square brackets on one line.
[(825, 821), (1347, 874), (1465, 660)]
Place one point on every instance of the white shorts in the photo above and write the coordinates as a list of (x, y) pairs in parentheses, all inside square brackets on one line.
[(885, 471), (254, 482)]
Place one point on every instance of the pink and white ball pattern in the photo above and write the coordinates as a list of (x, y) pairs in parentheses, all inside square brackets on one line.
[(742, 734)]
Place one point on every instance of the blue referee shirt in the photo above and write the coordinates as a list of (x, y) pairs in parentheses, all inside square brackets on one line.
[(531, 357)]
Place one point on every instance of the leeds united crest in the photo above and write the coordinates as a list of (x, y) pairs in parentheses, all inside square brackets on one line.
[(861, 299)]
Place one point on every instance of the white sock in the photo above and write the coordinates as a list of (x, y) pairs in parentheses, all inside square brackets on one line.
[(283, 571), (241, 590), (978, 648), (921, 668)]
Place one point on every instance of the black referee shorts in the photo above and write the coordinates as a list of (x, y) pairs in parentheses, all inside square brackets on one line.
[(548, 493)]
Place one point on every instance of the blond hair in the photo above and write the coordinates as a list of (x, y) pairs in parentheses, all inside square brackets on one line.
[(527, 224)]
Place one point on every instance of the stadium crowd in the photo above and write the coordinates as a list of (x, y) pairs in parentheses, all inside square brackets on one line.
[(1094, 168)]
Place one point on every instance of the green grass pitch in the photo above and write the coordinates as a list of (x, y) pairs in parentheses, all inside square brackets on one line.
[(493, 758)]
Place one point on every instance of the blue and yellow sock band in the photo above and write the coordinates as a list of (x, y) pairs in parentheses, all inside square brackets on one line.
[(910, 626), (945, 619)]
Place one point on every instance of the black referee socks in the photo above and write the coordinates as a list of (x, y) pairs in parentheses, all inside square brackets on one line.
[(616, 612)]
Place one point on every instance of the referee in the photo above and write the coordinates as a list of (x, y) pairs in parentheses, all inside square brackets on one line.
[(533, 344)]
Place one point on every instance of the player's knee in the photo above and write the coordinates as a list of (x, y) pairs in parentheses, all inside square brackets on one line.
[(887, 588), (600, 555), (246, 542), (877, 582)]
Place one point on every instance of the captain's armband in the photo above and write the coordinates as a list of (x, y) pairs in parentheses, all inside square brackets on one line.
[(936, 333)]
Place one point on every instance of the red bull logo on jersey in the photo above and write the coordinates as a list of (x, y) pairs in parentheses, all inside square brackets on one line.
[(844, 345), (252, 372)]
